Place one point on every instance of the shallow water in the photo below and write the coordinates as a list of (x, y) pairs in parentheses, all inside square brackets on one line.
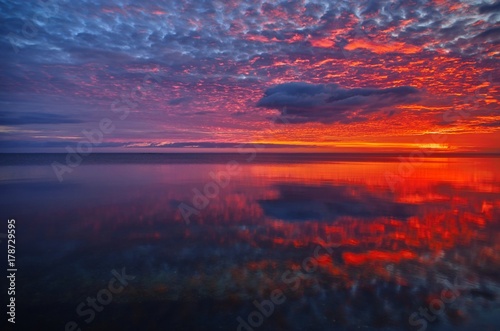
[(340, 242)]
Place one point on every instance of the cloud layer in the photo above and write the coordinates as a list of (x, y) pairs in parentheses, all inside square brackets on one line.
[(64, 64), (329, 103)]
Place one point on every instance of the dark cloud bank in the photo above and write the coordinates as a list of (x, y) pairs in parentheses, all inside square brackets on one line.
[(329, 103)]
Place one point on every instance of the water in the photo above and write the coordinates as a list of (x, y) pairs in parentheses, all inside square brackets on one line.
[(339, 242)]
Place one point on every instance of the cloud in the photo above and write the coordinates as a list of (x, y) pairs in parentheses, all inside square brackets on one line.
[(493, 32), (10, 144), (14, 119), (212, 144), (215, 57), (382, 48), (490, 8), (494, 124), (178, 101), (61, 144), (329, 103)]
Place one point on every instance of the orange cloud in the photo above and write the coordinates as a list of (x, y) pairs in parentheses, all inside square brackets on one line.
[(394, 47), (324, 43)]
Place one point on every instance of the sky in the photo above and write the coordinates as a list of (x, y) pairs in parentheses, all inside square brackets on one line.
[(196, 75)]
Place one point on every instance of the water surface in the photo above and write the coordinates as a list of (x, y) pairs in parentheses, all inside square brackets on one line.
[(352, 243)]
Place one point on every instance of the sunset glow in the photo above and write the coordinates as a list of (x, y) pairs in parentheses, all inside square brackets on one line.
[(315, 75)]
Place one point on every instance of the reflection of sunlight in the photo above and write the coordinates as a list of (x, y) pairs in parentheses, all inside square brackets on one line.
[(433, 146), (443, 219)]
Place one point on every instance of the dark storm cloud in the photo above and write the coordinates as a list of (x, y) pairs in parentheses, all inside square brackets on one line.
[(328, 103)]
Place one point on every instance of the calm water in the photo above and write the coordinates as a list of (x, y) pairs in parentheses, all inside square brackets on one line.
[(339, 243)]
